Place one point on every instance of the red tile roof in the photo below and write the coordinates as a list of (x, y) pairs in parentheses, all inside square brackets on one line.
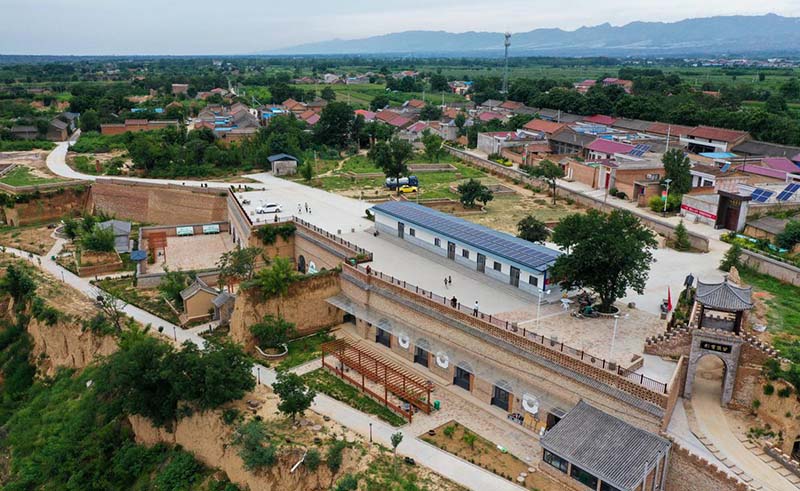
[(547, 127), (368, 115), (600, 119), (417, 127), (451, 112), (718, 134), (675, 130), (400, 122), (511, 105), (489, 116), (313, 119), (386, 116), (781, 163), (415, 103), (609, 147)]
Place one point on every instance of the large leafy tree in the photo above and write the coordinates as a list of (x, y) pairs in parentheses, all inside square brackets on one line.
[(608, 253), (472, 191), (18, 284), (335, 125), (295, 396), (547, 171), (275, 280), (272, 331), (677, 167), (433, 145), (532, 230), (237, 265), (392, 157)]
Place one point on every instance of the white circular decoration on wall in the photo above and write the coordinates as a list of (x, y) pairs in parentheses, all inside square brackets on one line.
[(404, 341), (530, 403), (312, 268), (442, 360)]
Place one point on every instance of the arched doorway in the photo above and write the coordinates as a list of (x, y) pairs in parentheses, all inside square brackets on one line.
[(713, 360), (301, 264)]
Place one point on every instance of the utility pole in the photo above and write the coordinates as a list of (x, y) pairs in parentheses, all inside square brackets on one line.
[(507, 43)]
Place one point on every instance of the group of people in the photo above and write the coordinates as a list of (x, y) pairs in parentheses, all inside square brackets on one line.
[(300, 209)]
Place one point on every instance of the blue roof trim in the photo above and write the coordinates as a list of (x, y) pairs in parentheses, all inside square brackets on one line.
[(496, 243)]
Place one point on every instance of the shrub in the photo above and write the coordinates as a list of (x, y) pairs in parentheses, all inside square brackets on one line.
[(769, 389), (98, 239), (182, 473), (254, 449), (333, 458), (656, 204), (732, 258), (681, 241), (313, 459), (449, 430), (230, 415), (790, 235), (785, 392), (272, 331), (348, 482)]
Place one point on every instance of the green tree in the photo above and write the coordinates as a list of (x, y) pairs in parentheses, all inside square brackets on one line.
[(172, 284), (237, 265), (433, 145), (275, 280), (790, 236), (472, 191), (112, 309), (18, 284), (732, 258), (313, 459), (348, 482), (295, 396), (98, 239), (449, 430), (272, 331), (532, 230), (460, 121), (677, 167), (90, 121), (392, 157), (335, 125), (307, 171), (469, 438), (548, 171), (609, 253), (681, 240), (430, 113), (776, 104), (379, 102), (328, 94), (396, 438)]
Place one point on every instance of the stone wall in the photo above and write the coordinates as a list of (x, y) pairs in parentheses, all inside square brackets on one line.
[(49, 207), (675, 390), (493, 360), (158, 203), (688, 472), (66, 345), (304, 305), (780, 413), (777, 269), (751, 360)]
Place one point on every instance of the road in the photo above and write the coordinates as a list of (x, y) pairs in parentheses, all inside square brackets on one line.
[(439, 461)]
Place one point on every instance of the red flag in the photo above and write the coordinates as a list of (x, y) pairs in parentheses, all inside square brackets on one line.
[(669, 300)]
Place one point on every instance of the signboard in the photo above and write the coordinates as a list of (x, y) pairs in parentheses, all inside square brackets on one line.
[(720, 348), (663, 196), (696, 211), (182, 231), (211, 229), (312, 268)]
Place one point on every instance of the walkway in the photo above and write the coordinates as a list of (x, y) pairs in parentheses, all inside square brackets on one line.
[(715, 425), (439, 461)]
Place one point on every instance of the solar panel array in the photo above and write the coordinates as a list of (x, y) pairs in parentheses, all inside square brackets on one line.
[(639, 150), (726, 166), (761, 195), (788, 192), (491, 241)]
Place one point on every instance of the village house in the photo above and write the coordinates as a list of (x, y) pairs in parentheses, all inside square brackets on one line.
[(709, 139), (283, 164), (24, 132), (180, 89), (492, 142), (136, 125)]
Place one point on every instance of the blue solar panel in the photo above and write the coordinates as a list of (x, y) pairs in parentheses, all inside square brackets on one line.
[(639, 150), (761, 195), (521, 251), (787, 193), (726, 167)]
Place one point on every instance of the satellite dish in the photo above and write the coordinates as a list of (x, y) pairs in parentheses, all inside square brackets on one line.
[(312, 268), (530, 403), (442, 360), (404, 341)]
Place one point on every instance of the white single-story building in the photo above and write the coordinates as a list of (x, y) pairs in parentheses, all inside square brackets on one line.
[(498, 255)]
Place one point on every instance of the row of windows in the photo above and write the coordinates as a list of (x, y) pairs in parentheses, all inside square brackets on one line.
[(575, 472)]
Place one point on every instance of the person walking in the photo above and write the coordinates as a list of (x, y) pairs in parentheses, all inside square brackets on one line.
[(306, 206), (299, 209), (445, 282), (454, 302), (475, 310), (449, 279)]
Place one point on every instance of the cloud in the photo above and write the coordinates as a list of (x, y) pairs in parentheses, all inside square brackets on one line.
[(247, 26)]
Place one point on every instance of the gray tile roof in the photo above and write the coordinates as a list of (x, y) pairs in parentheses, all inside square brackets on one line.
[(222, 299), (122, 232), (195, 287), (769, 224), (494, 243), (607, 447), (632, 124), (724, 296), (572, 137), (765, 149)]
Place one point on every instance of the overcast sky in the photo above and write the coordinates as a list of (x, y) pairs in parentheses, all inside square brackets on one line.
[(84, 27)]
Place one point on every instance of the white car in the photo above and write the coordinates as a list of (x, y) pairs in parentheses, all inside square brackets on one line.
[(269, 208)]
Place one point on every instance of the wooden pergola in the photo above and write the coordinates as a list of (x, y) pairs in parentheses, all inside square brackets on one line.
[(371, 366), (156, 241)]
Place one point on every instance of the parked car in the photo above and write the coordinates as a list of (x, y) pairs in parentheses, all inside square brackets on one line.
[(408, 189), (269, 208), (392, 183)]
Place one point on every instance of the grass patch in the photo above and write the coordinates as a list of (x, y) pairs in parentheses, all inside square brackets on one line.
[(22, 176), (25, 145), (149, 300), (359, 164), (323, 381), (783, 309), (304, 350)]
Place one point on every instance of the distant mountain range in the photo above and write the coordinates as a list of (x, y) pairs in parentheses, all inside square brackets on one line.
[(765, 34)]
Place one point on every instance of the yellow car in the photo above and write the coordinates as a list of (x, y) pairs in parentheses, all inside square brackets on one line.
[(408, 189)]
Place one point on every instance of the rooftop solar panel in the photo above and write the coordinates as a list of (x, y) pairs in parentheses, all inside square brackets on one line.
[(761, 195), (525, 253), (788, 192), (639, 150)]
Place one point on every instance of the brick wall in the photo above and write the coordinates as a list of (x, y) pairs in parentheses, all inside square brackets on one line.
[(304, 305), (583, 173), (675, 390), (161, 204), (688, 472)]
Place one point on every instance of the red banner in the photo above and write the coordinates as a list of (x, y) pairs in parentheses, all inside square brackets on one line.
[(702, 213)]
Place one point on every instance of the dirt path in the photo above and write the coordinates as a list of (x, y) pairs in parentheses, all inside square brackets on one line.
[(714, 424)]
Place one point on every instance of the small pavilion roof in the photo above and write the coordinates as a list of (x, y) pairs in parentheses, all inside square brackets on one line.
[(724, 296)]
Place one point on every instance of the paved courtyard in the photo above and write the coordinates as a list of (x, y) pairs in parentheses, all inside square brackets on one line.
[(192, 253)]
